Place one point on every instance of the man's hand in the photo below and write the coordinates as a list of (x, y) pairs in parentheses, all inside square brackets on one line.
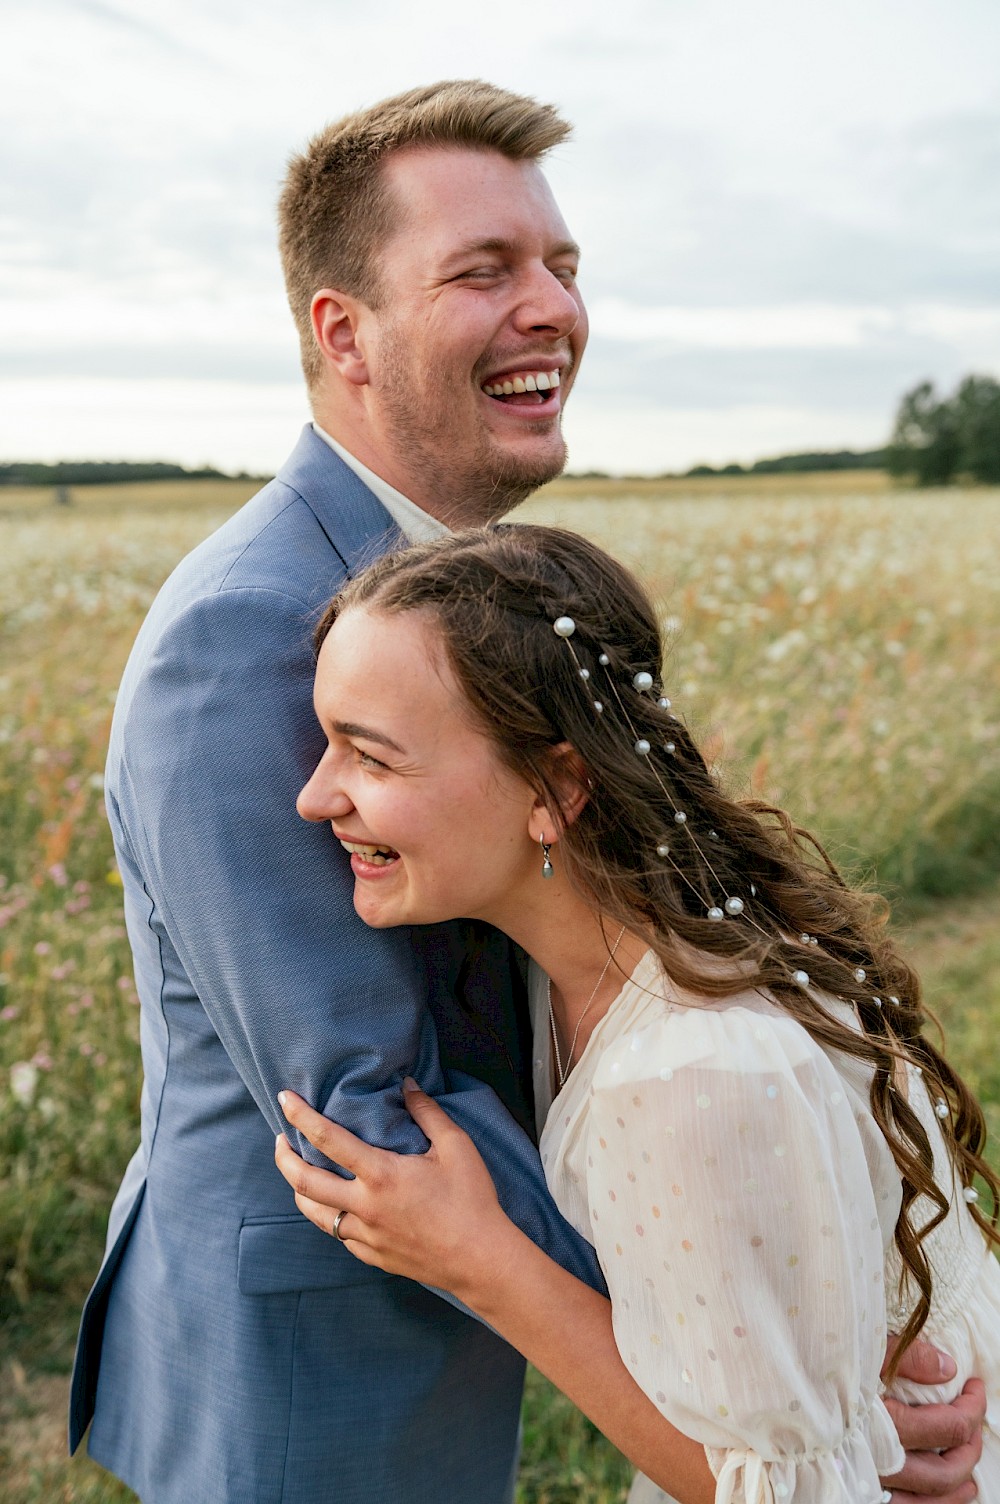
[(943, 1443)]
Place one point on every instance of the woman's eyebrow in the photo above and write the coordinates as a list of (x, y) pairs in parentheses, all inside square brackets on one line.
[(350, 728)]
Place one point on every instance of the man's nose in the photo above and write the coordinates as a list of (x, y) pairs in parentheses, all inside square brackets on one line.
[(323, 798), (549, 304)]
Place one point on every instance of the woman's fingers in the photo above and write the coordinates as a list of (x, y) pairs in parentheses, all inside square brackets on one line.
[(320, 1186), (330, 1139), (433, 1121)]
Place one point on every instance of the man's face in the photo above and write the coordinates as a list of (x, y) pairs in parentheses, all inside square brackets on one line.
[(478, 333)]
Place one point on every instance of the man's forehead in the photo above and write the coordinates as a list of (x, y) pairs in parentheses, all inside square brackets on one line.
[(466, 196)]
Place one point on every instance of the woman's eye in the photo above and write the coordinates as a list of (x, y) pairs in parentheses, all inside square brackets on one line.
[(367, 761)]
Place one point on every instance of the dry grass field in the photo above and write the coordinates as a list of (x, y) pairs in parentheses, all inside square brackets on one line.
[(833, 641)]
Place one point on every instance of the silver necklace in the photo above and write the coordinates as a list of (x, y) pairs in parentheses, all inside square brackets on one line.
[(563, 1071)]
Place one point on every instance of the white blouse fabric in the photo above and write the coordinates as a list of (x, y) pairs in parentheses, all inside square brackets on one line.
[(742, 1202)]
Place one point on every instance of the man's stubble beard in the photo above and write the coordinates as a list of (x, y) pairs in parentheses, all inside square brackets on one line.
[(493, 481)]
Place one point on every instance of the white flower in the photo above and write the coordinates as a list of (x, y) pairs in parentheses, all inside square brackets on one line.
[(23, 1080)]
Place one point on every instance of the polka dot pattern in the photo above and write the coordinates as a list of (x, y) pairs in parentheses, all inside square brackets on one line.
[(746, 1204)]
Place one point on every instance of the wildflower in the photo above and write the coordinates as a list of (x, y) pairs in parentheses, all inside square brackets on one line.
[(23, 1081), (42, 948), (9, 1013)]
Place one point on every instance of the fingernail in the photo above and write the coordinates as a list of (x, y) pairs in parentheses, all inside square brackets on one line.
[(282, 1098), (278, 1139), (409, 1084), (947, 1368)]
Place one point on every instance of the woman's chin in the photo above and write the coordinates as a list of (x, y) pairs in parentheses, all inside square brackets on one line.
[(376, 916)]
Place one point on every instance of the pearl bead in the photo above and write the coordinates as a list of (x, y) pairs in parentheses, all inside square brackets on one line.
[(680, 817), (860, 974), (715, 913), (877, 1001), (564, 626), (894, 1001), (598, 706), (803, 939), (604, 660), (642, 681), (663, 703), (800, 978), (642, 747), (585, 673), (753, 891), (941, 1108), (669, 747), (663, 850), (970, 1194), (734, 906)]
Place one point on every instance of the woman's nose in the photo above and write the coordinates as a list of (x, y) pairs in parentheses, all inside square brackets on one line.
[(323, 798)]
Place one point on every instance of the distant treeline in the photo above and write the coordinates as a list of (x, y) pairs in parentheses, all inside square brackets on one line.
[(104, 472), (782, 464), (938, 440)]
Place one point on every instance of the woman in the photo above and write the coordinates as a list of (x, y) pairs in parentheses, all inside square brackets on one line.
[(738, 1105)]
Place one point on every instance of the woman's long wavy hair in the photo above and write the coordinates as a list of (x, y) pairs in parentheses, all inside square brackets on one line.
[(495, 594)]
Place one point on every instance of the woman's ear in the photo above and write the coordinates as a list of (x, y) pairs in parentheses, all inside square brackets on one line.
[(572, 785)]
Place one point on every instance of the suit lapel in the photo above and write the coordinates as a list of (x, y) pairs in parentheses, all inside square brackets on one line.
[(354, 520)]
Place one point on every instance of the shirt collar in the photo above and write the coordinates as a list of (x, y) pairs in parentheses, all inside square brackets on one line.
[(416, 525)]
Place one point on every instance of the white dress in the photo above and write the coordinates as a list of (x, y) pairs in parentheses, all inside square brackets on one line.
[(742, 1202)]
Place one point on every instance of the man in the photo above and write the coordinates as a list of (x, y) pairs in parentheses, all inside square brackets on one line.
[(229, 1351)]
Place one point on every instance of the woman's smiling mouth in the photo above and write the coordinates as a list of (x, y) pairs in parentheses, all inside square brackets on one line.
[(373, 856)]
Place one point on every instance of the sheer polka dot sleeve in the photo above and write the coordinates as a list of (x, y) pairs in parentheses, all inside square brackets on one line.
[(733, 1213)]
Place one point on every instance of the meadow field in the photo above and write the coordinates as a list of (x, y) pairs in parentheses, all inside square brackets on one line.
[(834, 642)]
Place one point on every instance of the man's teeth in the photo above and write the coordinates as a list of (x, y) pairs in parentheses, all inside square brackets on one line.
[(377, 855), (524, 381)]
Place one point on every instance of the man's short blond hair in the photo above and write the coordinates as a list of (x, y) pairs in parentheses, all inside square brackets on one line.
[(335, 213)]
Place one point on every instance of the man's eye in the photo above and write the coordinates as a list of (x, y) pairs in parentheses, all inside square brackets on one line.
[(565, 274), (367, 761)]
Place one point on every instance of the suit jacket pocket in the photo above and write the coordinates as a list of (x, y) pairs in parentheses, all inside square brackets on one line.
[(279, 1255)]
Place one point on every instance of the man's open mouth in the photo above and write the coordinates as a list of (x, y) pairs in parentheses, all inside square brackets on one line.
[(379, 856), (523, 388)]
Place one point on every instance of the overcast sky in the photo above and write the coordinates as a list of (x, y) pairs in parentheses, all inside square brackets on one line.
[(789, 209)]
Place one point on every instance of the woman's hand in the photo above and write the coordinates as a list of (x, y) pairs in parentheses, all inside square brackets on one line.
[(432, 1217)]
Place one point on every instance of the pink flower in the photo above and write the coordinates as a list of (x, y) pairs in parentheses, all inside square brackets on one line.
[(9, 1013)]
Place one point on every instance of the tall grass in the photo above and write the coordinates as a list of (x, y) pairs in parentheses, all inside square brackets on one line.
[(835, 648)]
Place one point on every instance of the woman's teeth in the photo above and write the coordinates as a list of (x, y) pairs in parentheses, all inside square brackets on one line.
[(377, 855), (524, 381)]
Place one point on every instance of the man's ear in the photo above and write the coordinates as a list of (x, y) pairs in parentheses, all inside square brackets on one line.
[(569, 775), (336, 321)]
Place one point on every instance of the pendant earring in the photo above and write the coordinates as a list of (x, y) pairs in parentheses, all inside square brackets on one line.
[(547, 867)]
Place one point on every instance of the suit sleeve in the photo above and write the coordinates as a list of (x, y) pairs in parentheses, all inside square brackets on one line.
[(258, 905)]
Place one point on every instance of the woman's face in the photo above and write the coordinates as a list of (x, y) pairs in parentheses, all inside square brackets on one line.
[(437, 826)]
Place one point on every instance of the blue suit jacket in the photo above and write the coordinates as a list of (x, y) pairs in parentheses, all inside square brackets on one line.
[(230, 1353)]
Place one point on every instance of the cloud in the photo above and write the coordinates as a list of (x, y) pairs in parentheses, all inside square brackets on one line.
[(783, 210)]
